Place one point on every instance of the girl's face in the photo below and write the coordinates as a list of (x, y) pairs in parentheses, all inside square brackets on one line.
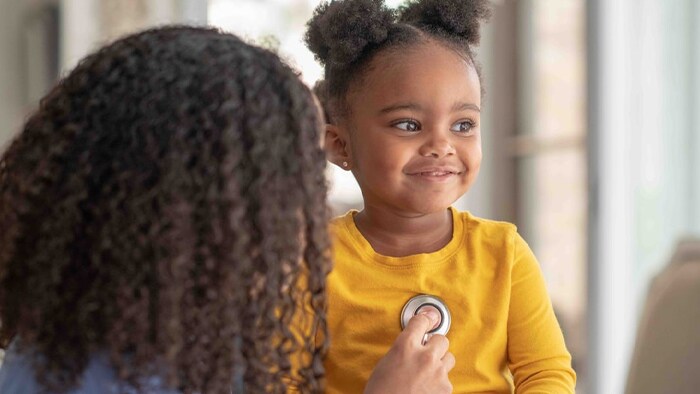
[(414, 129)]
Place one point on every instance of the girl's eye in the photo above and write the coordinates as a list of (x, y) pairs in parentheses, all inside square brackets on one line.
[(463, 127), (407, 125)]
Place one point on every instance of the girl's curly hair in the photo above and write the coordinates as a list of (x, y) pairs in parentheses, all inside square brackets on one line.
[(346, 35), (166, 204)]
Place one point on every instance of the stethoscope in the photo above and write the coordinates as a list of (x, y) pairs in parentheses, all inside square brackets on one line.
[(414, 305)]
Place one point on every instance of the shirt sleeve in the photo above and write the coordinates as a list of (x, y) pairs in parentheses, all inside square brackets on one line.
[(537, 355)]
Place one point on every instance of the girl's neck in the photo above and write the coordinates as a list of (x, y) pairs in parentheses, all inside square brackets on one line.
[(398, 234)]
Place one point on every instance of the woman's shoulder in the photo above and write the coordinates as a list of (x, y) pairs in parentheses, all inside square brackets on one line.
[(17, 372), (17, 375)]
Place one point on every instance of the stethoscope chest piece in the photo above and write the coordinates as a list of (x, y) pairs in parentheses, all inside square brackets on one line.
[(414, 305)]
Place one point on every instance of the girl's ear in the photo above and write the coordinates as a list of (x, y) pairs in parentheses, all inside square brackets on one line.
[(337, 146)]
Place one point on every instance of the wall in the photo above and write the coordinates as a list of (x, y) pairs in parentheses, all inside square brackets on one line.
[(11, 77)]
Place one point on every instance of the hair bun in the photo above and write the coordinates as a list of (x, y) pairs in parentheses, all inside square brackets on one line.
[(455, 17), (340, 31)]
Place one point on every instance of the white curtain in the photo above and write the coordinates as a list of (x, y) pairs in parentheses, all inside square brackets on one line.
[(643, 112)]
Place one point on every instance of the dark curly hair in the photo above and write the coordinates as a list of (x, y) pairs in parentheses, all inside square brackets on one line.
[(166, 204), (346, 35)]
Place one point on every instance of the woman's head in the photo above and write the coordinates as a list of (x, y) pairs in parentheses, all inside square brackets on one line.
[(403, 93), (167, 202)]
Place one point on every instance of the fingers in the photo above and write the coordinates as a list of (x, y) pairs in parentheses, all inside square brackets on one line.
[(419, 325), (438, 344), (448, 361), (432, 309), (410, 366)]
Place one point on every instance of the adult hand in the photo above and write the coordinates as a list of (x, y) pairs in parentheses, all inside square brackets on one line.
[(411, 367)]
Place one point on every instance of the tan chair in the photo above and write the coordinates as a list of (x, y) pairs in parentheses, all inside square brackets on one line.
[(666, 356)]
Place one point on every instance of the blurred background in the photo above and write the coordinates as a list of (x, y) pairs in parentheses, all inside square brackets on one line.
[(591, 129)]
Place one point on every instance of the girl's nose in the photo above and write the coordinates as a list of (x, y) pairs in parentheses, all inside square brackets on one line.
[(437, 146)]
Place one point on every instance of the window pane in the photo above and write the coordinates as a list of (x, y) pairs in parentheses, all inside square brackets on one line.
[(550, 149)]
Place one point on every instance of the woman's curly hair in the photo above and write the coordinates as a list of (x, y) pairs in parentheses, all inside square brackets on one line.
[(346, 35), (166, 204)]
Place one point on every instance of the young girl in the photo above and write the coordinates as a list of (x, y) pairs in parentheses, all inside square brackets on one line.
[(403, 95)]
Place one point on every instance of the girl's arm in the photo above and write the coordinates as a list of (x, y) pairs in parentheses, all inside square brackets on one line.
[(537, 354)]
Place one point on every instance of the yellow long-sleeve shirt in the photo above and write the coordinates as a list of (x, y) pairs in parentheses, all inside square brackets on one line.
[(504, 335)]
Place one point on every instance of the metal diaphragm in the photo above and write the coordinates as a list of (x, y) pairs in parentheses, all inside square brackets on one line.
[(413, 306)]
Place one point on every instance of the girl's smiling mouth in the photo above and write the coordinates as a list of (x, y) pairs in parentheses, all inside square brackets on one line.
[(434, 173), (434, 170)]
